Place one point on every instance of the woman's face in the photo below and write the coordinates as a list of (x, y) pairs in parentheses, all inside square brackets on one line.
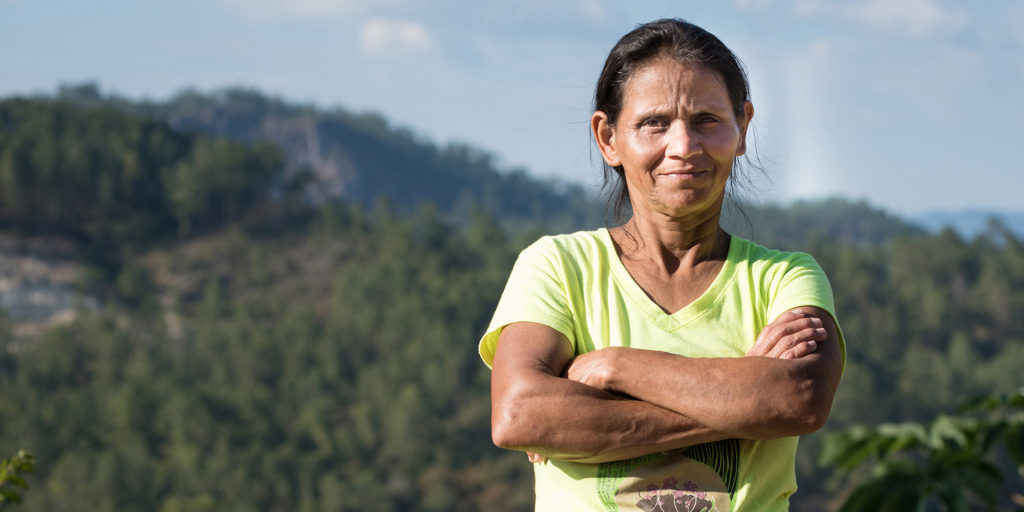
[(676, 138)]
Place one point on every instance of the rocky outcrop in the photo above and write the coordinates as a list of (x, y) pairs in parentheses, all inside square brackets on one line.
[(39, 283)]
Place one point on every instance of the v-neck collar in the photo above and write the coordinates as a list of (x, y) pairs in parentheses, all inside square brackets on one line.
[(690, 312)]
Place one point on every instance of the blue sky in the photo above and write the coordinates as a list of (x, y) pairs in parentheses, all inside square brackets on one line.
[(913, 105)]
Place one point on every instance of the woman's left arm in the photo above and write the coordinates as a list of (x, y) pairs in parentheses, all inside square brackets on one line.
[(766, 395)]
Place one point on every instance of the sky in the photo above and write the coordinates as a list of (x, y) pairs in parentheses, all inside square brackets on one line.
[(911, 105)]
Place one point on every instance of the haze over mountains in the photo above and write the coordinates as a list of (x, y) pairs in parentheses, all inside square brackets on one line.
[(364, 156)]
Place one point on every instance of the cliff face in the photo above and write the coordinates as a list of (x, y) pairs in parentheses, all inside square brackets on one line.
[(39, 280)]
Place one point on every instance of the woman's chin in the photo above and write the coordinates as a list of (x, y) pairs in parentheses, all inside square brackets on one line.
[(687, 204)]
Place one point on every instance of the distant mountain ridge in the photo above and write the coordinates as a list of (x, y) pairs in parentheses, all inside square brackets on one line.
[(970, 223), (364, 158)]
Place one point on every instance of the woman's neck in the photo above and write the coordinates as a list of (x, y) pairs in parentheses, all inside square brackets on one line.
[(671, 243)]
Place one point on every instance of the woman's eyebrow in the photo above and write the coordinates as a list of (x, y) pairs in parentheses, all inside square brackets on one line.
[(710, 111)]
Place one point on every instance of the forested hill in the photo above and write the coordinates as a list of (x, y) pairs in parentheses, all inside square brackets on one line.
[(334, 154), (230, 329), (104, 177), (362, 157), (118, 175)]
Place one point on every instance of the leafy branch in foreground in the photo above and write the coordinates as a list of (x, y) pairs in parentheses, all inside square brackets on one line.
[(948, 463), (23, 462)]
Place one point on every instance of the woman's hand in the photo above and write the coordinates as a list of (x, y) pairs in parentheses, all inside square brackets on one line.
[(595, 368), (794, 334)]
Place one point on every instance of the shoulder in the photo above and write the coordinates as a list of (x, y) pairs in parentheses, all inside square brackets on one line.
[(573, 242), (785, 279), (765, 261), (581, 245)]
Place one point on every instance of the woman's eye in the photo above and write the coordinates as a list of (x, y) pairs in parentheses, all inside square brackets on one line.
[(652, 122)]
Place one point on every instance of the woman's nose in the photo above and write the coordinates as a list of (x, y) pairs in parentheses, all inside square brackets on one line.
[(683, 141)]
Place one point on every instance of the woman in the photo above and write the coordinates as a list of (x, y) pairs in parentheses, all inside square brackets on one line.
[(664, 364)]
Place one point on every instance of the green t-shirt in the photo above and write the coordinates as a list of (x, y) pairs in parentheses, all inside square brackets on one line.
[(577, 285)]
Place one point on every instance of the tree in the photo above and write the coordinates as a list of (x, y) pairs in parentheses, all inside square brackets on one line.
[(11, 470), (949, 464)]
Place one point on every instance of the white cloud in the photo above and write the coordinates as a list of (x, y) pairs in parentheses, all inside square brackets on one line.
[(545, 13), (389, 37), (918, 18), (1015, 16), (594, 10), (292, 8), (752, 5), (270, 9), (808, 8)]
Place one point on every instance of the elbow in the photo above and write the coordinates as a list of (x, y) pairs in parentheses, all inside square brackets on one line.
[(818, 410), (795, 421), (509, 429), (805, 409), (503, 433), (812, 419), (811, 407)]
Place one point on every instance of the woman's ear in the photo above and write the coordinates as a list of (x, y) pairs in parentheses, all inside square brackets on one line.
[(604, 135), (748, 114)]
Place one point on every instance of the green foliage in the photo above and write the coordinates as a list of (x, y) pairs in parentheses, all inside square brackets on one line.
[(274, 351), (218, 180), (947, 463), (118, 183), (313, 372), (11, 471), (309, 369), (806, 224), (362, 157)]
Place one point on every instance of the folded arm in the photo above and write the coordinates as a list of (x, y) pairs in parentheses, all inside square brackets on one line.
[(534, 409), (783, 388)]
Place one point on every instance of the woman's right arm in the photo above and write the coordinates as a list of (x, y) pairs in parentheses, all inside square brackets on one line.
[(535, 409)]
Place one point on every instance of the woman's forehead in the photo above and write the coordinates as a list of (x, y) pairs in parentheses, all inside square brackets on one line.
[(666, 80)]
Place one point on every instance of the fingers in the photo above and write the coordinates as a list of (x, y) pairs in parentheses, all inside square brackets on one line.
[(798, 338), (792, 335), (536, 458), (592, 368), (800, 350)]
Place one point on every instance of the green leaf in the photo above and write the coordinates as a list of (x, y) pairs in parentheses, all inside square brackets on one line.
[(982, 403), (1014, 439), (954, 500), (10, 496), (991, 433), (902, 499), (899, 437), (981, 485), (958, 431), (846, 451), (1016, 400), (18, 481), (867, 497)]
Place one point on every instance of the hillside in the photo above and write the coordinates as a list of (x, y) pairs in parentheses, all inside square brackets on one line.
[(188, 325), (362, 158)]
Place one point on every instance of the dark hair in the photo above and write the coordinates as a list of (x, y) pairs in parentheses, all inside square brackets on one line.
[(667, 38)]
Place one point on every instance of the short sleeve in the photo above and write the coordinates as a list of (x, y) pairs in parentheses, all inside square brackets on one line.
[(803, 283), (535, 292)]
